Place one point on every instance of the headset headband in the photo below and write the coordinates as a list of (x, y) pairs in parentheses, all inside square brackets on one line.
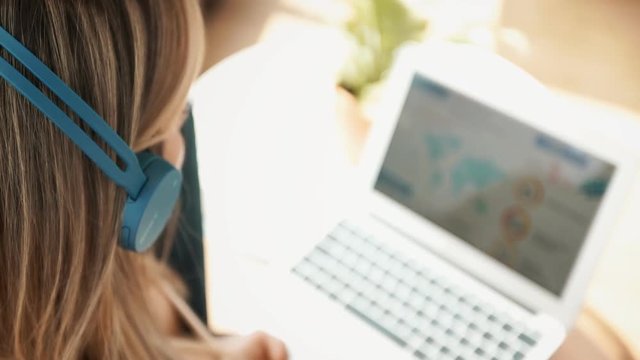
[(132, 178)]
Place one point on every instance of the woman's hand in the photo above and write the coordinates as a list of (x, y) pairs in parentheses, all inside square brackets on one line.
[(257, 346), (169, 306)]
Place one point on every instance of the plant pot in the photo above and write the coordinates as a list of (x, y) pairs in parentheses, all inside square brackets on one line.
[(353, 125)]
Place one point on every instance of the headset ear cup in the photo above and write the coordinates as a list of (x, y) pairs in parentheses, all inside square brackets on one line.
[(145, 217)]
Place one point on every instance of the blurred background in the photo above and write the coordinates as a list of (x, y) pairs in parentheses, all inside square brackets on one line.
[(586, 47), (583, 50)]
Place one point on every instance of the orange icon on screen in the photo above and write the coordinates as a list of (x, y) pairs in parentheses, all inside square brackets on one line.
[(516, 224)]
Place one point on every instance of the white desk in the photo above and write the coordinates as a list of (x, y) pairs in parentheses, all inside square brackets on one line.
[(273, 168), (272, 163)]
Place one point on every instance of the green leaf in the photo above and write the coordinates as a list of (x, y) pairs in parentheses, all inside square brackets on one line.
[(377, 29)]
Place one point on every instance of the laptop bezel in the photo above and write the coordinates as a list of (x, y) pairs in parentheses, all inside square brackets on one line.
[(491, 80)]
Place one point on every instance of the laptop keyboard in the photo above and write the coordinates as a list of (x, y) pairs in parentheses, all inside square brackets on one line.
[(410, 303)]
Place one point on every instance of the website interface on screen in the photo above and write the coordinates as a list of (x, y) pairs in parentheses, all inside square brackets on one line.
[(517, 194)]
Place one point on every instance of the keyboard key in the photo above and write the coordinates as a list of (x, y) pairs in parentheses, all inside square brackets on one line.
[(535, 336), (465, 342), (459, 328), (306, 269), (415, 320), (527, 339), (376, 312), (409, 276), (475, 338), (503, 345), (473, 327), (416, 300), (430, 349), (335, 249), (319, 279), (335, 286), (445, 350), (419, 354), (398, 308), (363, 266), (415, 339), (490, 347), (345, 274), (361, 304), (402, 290), (488, 336), (376, 274), (504, 355), (350, 259), (389, 283), (402, 329), (431, 310), (389, 322), (346, 295), (396, 267), (445, 318)]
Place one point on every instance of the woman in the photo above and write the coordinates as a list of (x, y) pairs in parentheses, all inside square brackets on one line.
[(67, 290)]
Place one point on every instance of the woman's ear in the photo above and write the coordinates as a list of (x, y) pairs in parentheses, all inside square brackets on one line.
[(173, 148)]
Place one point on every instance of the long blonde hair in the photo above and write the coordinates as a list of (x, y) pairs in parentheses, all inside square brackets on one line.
[(66, 289)]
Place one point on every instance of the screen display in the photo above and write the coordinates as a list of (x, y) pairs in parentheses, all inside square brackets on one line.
[(521, 196)]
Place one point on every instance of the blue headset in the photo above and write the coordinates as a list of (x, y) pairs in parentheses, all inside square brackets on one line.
[(152, 184)]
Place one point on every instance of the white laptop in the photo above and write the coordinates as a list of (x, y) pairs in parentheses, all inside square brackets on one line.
[(485, 215)]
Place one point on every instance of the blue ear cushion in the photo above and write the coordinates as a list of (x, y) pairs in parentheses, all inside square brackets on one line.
[(145, 217)]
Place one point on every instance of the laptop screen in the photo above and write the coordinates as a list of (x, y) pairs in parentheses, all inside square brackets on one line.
[(519, 195)]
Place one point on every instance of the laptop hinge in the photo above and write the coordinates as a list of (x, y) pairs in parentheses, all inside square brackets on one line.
[(427, 248)]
